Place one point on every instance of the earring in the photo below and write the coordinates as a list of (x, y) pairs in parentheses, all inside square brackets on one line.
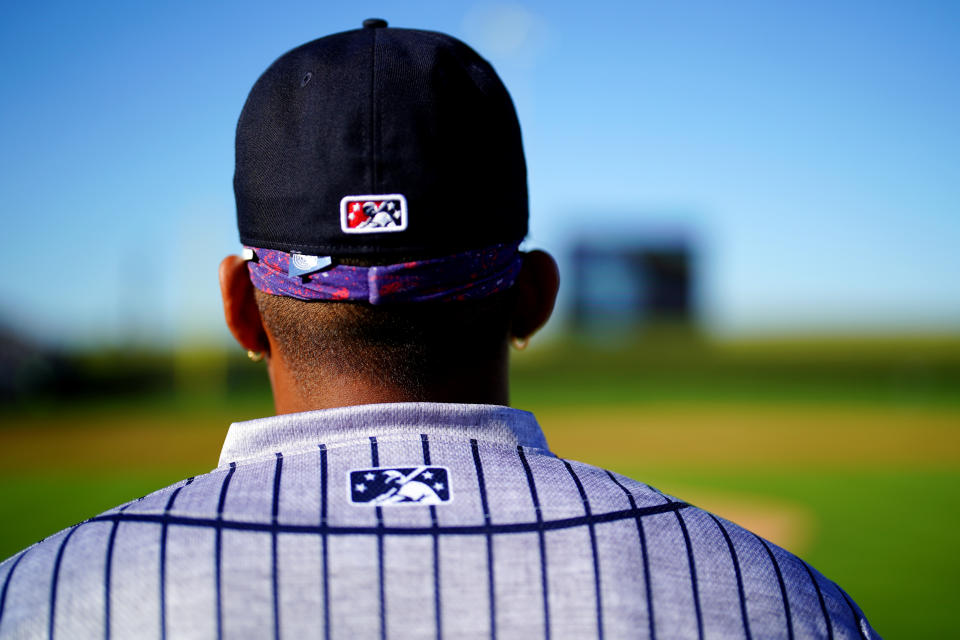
[(520, 343), (255, 356)]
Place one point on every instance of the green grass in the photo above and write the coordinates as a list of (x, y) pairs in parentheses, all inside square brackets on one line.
[(669, 365), (35, 505)]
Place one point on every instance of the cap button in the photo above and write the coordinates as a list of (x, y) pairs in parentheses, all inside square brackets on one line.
[(374, 23)]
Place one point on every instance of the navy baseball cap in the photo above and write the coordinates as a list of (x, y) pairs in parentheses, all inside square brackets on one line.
[(380, 140)]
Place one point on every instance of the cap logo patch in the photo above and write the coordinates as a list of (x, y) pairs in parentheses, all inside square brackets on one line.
[(373, 214), (382, 486)]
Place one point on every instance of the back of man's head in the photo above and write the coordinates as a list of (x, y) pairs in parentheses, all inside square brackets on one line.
[(381, 197)]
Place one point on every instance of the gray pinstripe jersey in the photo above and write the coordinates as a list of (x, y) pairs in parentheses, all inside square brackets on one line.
[(338, 524)]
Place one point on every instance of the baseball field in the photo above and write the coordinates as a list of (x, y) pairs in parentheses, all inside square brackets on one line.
[(844, 451)]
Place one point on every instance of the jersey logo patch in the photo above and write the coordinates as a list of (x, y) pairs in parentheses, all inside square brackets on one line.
[(383, 486), (373, 214)]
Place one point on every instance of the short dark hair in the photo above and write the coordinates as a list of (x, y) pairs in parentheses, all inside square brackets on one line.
[(411, 346)]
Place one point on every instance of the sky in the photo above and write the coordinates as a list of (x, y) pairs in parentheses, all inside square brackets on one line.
[(810, 150)]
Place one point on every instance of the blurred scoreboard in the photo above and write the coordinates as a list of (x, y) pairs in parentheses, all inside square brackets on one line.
[(632, 283)]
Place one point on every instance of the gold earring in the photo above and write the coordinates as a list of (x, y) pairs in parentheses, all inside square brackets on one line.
[(255, 356), (520, 343)]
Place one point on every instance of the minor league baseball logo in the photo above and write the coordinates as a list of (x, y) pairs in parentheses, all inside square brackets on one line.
[(382, 486), (373, 214)]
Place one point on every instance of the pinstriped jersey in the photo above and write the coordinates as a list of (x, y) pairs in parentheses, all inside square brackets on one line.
[(412, 521)]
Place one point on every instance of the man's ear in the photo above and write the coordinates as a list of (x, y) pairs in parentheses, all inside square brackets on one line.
[(240, 306), (537, 286)]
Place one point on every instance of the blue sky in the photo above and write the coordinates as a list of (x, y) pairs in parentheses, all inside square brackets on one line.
[(811, 149)]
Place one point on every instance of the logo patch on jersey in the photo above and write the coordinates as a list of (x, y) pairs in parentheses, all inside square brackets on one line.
[(373, 214), (382, 486)]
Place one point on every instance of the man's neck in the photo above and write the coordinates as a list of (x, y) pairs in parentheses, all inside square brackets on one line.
[(474, 384)]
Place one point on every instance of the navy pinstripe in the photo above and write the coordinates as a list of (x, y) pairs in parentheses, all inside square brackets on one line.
[(425, 441), (783, 587), (823, 605), (6, 584), (643, 553), (274, 511), (444, 530), (163, 559), (736, 568), (218, 546), (541, 535), (375, 462), (324, 541), (853, 610), (56, 577), (593, 547), (475, 448), (693, 573), (163, 579), (107, 570)]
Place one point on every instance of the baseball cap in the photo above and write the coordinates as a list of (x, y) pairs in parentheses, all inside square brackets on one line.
[(379, 140)]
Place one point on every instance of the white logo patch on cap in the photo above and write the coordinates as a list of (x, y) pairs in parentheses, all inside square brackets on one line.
[(373, 214)]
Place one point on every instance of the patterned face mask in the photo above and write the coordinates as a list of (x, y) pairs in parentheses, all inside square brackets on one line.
[(463, 276)]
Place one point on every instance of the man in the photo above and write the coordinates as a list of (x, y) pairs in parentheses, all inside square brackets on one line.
[(395, 494)]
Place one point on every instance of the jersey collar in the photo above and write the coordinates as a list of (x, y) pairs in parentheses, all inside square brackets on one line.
[(301, 431)]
